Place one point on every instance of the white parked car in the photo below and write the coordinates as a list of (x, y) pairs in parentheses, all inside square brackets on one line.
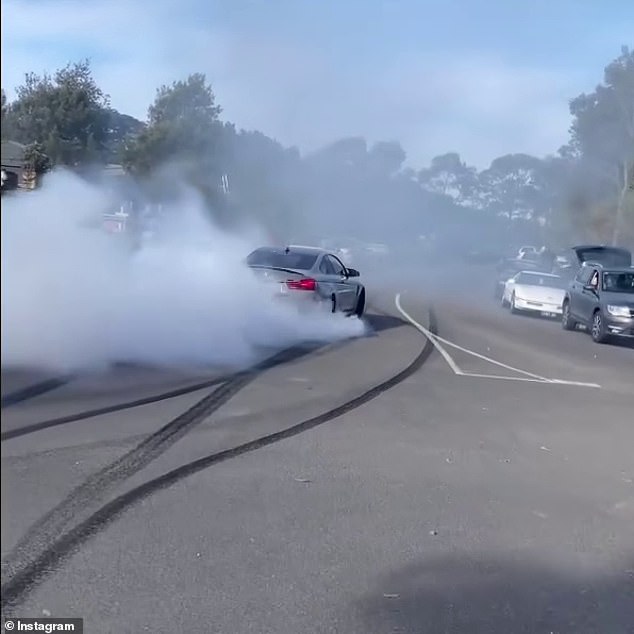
[(531, 291)]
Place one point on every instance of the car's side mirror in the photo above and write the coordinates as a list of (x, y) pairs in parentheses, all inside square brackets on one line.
[(589, 287), (353, 273)]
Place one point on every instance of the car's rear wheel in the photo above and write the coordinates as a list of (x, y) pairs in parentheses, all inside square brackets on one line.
[(598, 331), (567, 322)]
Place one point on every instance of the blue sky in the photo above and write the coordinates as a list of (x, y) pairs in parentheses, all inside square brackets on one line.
[(482, 78)]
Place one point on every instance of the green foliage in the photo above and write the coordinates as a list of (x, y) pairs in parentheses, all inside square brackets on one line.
[(182, 127), (583, 191), (449, 174), (603, 141), (36, 157), (3, 126), (515, 185), (603, 121), (184, 136), (65, 114)]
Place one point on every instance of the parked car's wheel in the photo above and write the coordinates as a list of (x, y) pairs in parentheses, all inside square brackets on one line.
[(597, 330), (567, 322), (514, 309)]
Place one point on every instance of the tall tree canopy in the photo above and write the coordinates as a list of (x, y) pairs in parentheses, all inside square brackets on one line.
[(603, 138), (184, 135), (66, 118), (66, 115), (450, 176), (182, 126), (364, 190)]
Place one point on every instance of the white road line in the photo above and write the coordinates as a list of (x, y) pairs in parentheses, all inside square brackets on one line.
[(530, 380), (430, 335), (524, 379), (435, 340), (579, 383), (489, 360)]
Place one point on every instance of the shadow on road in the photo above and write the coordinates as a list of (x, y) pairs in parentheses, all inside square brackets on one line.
[(379, 323), (460, 594), (622, 343)]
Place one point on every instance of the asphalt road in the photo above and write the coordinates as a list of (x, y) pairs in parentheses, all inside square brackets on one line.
[(478, 481)]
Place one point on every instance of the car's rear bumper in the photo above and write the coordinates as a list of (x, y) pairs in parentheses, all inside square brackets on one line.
[(305, 302)]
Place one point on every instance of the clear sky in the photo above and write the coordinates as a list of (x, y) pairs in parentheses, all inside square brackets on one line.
[(480, 77)]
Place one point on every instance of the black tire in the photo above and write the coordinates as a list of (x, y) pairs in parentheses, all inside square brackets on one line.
[(505, 304), (597, 330), (360, 307), (333, 300), (567, 322)]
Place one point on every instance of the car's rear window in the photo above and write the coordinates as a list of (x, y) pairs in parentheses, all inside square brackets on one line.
[(281, 259), (534, 279)]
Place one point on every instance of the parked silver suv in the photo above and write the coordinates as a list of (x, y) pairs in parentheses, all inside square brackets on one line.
[(602, 299)]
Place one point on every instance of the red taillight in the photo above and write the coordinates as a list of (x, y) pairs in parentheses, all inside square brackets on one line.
[(306, 284)]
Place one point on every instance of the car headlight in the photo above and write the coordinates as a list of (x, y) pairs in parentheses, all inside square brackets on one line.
[(618, 311)]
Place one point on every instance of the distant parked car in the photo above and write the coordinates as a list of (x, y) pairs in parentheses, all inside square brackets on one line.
[(532, 291), (568, 262), (508, 268)]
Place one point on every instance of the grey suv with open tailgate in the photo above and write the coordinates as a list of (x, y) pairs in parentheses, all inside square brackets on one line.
[(602, 299)]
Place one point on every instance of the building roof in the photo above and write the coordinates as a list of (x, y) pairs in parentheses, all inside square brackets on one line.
[(13, 153)]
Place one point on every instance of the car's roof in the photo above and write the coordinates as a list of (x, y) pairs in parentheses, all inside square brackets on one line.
[(294, 248), (301, 248)]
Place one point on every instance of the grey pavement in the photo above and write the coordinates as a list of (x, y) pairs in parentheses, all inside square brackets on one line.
[(453, 502)]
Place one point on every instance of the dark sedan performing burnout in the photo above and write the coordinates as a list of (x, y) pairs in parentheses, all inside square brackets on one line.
[(310, 276)]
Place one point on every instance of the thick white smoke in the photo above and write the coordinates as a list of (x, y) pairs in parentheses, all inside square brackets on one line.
[(75, 297)]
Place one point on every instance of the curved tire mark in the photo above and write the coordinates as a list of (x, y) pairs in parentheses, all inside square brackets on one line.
[(24, 580), (109, 409), (31, 391)]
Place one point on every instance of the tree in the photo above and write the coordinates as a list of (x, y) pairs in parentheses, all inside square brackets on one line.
[(66, 115), (37, 159), (122, 129), (264, 181), (3, 127), (182, 127), (603, 136), (515, 187), (183, 143), (351, 152), (450, 176), (387, 156)]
